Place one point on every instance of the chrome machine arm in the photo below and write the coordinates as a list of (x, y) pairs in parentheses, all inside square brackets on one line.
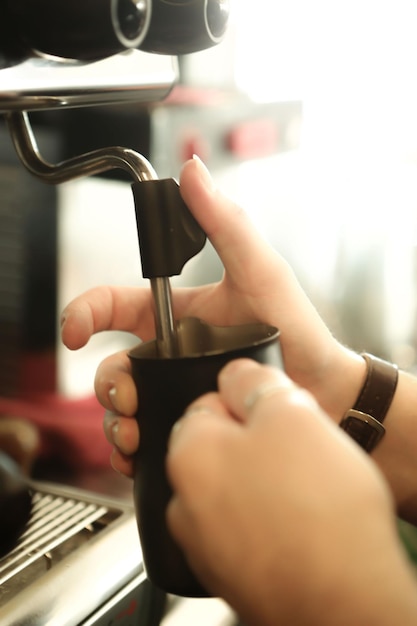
[(62, 55)]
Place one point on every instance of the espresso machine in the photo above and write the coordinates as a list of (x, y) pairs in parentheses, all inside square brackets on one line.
[(70, 557)]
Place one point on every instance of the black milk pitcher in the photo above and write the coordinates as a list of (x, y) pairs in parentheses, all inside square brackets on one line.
[(166, 386)]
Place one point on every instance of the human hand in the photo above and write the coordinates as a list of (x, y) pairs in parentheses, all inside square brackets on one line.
[(258, 285), (279, 513)]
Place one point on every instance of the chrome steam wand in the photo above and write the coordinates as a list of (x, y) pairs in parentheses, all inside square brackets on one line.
[(88, 164)]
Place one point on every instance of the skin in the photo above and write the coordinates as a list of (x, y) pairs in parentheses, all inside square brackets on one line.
[(258, 285), (286, 481), (281, 459)]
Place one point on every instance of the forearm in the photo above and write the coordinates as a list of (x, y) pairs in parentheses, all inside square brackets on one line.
[(396, 454)]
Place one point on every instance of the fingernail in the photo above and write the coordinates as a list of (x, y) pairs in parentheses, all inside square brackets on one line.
[(112, 460), (265, 391), (196, 408), (205, 175), (113, 397), (111, 426), (115, 427), (174, 432), (176, 427)]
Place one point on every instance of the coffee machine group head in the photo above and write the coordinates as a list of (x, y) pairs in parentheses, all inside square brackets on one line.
[(99, 28)]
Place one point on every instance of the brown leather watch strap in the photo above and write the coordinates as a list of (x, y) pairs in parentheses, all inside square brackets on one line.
[(364, 421), (376, 395)]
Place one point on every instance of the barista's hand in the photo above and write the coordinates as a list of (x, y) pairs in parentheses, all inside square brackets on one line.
[(257, 285), (282, 515)]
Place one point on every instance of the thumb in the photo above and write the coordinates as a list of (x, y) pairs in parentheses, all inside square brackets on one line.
[(239, 245)]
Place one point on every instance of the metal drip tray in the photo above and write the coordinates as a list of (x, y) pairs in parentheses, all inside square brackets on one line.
[(77, 552), (58, 527), (45, 82)]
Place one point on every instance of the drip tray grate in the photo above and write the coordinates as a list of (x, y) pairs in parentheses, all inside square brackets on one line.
[(78, 553), (60, 525)]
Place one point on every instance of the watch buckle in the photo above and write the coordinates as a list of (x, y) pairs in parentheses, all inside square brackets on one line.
[(363, 428)]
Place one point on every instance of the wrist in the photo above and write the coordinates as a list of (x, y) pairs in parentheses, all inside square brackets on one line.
[(346, 377), (396, 456), (364, 421)]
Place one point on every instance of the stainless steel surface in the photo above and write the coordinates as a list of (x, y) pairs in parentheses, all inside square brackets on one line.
[(78, 551), (96, 162), (201, 611), (111, 613), (88, 164), (164, 318), (45, 82)]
